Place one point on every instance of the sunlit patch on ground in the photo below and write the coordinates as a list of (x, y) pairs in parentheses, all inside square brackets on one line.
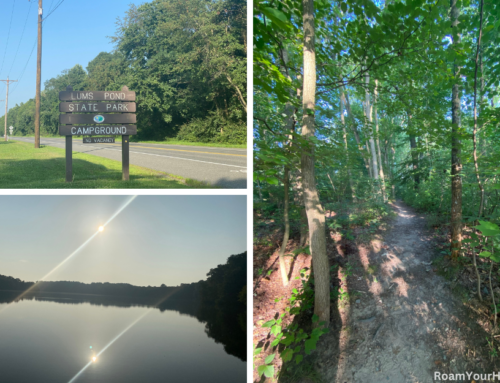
[(402, 288)]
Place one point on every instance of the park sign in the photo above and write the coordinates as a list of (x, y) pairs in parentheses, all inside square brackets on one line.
[(98, 140), (123, 95), (98, 130), (97, 113), (123, 118), (97, 107)]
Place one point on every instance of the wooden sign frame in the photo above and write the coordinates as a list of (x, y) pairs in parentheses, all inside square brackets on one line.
[(93, 104)]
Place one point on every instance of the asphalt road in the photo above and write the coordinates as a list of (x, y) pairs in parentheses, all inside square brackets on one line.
[(222, 167)]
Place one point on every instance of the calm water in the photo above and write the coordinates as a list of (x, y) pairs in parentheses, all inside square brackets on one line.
[(48, 339)]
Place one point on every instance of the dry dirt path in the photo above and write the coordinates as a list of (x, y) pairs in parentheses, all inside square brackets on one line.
[(406, 323)]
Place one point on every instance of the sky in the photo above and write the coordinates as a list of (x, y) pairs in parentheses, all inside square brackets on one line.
[(154, 240), (75, 33)]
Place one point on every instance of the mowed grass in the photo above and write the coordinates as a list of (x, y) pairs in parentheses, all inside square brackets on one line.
[(24, 167)]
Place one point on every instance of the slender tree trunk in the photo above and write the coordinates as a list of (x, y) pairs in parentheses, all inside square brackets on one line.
[(238, 93), (298, 197), (370, 163), (379, 157), (478, 276), (342, 119), (314, 210), (393, 187), (259, 189), (369, 124), (286, 182), (413, 151), (354, 130), (474, 133), (493, 298), (456, 166), (290, 127)]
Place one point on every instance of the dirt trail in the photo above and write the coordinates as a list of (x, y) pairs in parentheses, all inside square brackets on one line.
[(406, 323)]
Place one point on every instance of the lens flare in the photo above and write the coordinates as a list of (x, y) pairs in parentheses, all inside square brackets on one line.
[(94, 359), (101, 228), (120, 334)]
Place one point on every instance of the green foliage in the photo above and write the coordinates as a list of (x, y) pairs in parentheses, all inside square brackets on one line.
[(225, 282), (186, 61), (291, 341)]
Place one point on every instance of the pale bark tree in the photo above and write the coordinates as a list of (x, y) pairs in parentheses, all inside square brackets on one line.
[(314, 210), (379, 156), (298, 197), (456, 165), (413, 151), (289, 127), (355, 131), (474, 134), (342, 120), (369, 124)]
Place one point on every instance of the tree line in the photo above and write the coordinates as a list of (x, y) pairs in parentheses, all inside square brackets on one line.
[(186, 61), (225, 285)]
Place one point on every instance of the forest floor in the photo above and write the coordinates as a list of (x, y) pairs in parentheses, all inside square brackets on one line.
[(404, 322), (405, 312)]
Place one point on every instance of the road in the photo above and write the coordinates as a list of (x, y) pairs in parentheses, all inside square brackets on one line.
[(221, 167)]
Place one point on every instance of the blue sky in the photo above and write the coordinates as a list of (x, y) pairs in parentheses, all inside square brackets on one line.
[(75, 33), (154, 240)]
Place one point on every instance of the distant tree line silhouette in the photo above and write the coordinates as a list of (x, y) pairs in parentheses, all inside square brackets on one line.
[(225, 285)]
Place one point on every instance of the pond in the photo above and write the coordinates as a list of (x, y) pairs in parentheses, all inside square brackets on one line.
[(54, 337)]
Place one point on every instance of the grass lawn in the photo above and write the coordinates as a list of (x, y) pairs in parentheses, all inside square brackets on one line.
[(22, 167), (169, 142)]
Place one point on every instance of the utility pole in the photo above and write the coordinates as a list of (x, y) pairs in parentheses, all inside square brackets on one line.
[(38, 77), (7, 104), (5, 113)]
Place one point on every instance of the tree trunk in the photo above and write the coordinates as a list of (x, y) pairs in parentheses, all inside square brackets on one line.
[(413, 152), (342, 119), (393, 187), (314, 210), (379, 157), (369, 124), (298, 198), (354, 130), (456, 166), (286, 182), (474, 134)]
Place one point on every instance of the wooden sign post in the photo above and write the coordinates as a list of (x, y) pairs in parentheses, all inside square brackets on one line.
[(97, 121)]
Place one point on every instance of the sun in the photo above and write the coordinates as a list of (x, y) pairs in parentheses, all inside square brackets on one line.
[(94, 359), (101, 228)]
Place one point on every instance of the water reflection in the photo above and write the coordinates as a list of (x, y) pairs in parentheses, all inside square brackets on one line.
[(165, 324)]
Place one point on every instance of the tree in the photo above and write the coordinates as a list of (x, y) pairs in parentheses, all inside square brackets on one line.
[(314, 210), (456, 166)]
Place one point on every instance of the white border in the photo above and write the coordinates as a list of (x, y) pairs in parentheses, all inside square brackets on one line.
[(250, 191)]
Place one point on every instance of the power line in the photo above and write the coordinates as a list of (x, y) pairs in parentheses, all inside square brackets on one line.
[(20, 77), (57, 6), (32, 49), (21, 39), (8, 35), (50, 7)]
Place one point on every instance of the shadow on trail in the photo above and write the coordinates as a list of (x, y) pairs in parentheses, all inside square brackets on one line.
[(401, 322)]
